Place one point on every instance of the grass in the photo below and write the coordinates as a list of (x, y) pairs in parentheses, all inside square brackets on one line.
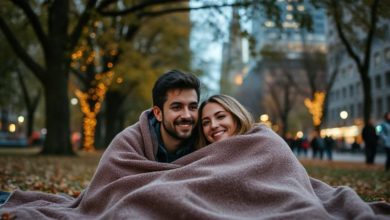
[(23, 169)]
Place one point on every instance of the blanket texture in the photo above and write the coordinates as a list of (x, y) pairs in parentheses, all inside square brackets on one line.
[(251, 176)]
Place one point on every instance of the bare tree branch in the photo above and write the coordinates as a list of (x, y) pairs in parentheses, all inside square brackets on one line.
[(187, 9), (32, 17), (79, 75), (370, 37), (82, 22), (338, 20), (134, 8), (28, 61)]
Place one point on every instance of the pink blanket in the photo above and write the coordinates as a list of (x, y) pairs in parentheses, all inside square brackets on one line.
[(251, 176)]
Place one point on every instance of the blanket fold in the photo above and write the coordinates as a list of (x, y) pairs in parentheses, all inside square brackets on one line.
[(250, 176)]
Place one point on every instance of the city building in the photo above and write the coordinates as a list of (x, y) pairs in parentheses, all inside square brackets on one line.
[(347, 91), (233, 68), (292, 45)]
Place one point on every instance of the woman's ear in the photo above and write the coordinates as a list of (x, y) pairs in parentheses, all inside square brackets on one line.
[(157, 113)]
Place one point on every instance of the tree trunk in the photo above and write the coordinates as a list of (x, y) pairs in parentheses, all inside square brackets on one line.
[(30, 122), (57, 109), (367, 109), (286, 109), (112, 107)]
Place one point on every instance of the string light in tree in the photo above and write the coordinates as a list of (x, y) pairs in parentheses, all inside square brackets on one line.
[(97, 94), (315, 107)]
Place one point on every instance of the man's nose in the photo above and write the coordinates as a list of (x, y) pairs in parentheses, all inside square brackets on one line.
[(186, 113)]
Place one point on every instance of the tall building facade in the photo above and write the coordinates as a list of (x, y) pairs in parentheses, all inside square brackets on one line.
[(233, 69), (347, 92), (268, 75)]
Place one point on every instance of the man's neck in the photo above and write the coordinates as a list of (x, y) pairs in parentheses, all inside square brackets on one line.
[(171, 144)]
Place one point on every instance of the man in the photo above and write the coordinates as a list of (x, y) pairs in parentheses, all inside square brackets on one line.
[(329, 143), (318, 145), (371, 140), (384, 136), (175, 114), (163, 134)]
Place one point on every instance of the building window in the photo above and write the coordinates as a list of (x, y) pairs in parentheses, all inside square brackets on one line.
[(358, 88), (352, 111), (388, 79), (343, 74), (351, 90), (350, 71), (388, 103), (378, 81), (379, 111), (344, 93), (387, 54), (377, 59), (337, 94), (360, 110)]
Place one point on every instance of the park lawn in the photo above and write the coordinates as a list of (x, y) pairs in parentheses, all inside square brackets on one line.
[(70, 175), (370, 182)]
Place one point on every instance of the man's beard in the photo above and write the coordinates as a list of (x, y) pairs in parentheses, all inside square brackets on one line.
[(172, 132)]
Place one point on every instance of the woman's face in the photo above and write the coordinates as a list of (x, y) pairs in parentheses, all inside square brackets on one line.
[(217, 123)]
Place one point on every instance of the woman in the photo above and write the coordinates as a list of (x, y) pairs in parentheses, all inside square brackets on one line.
[(221, 116)]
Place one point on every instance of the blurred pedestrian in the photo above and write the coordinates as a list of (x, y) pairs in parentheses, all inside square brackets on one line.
[(371, 141), (355, 146), (318, 145), (303, 146), (329, 143), (384, 136), (289, 140)]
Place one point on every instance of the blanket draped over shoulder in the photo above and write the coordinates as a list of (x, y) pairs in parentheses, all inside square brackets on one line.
[(250, 176)]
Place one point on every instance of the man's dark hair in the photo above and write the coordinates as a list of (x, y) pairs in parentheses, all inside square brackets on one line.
[(173, 79)]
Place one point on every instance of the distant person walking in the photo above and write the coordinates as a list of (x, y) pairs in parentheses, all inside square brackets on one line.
[(371, 141), (318, 145), (329, 143), (384, 136)]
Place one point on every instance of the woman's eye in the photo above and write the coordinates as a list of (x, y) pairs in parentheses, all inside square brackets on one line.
[(205, 123), (221, 117)]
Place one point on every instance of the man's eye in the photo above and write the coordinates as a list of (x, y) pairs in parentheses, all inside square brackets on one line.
[(193, 107), (176, 107)]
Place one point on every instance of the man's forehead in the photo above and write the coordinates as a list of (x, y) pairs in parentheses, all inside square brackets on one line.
[(182, 95)]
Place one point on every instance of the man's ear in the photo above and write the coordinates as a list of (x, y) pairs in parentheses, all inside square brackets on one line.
[(157, 113)]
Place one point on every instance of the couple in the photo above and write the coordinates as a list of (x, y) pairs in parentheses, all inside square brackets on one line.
[(175, 116), (152, 171)]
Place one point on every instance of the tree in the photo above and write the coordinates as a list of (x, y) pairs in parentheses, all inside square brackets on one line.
[(31, 100), (58, 25), (357, 25)]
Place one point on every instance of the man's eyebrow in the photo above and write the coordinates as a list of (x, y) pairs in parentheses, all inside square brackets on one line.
[(176, 103), (180, 103)]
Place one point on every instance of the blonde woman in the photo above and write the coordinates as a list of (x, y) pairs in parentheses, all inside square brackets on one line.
[(220, 117)]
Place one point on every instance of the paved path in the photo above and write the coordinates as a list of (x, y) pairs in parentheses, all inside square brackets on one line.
[(348, 156)]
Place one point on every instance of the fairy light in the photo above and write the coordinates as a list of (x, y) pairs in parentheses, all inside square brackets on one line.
[(315, 107), (89, 121)]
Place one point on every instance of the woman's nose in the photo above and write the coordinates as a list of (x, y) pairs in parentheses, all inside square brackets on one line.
[(214, 124)]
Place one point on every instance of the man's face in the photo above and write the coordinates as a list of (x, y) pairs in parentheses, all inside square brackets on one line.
[(179, 115)]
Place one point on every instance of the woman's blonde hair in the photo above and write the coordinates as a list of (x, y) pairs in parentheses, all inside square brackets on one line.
[(242, 118)]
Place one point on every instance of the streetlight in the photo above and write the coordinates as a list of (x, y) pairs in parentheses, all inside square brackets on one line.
[(20, 121), (264, 118), (344, 115), (74, 101)]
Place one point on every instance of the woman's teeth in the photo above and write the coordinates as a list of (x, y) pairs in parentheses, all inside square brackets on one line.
[(219, 133)]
